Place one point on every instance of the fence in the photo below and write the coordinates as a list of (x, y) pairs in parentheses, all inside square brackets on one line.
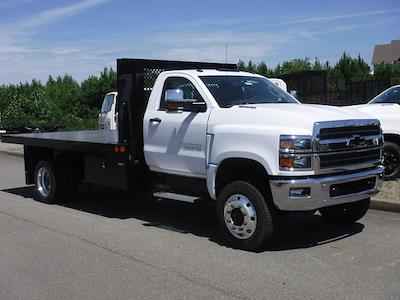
[(312, 87), (357, 92)]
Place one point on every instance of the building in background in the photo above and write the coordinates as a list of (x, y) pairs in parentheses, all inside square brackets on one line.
[(386, 54)]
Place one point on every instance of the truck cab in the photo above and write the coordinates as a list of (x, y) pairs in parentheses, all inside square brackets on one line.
[(108, 115)]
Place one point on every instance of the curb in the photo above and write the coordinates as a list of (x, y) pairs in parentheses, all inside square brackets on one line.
[(13, 153), (385, 206)]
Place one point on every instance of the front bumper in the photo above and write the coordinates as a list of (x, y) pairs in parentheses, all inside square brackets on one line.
[(321, 190)]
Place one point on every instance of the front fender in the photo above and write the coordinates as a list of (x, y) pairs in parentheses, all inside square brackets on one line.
[(212, 168)]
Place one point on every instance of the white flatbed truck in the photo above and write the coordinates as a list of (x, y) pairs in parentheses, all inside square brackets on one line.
[(192, 131)]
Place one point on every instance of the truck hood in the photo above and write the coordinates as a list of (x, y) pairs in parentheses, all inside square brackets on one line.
[(377, 110), (292, 118), (387, 113)]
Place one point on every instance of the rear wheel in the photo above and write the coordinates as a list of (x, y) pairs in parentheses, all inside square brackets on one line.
[(244, 217), (48, 183), (346, 213), (54, 184), (391, 160)]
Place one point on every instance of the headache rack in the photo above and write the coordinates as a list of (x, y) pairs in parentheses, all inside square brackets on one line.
[(136, 78)]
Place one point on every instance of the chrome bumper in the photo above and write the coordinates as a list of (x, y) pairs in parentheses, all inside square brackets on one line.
[(320, 190)]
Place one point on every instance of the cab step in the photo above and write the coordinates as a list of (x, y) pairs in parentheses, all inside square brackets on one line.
[(177, 197)]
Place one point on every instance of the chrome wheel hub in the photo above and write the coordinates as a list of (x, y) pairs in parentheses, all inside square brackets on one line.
[(240, 216), (43, 182)]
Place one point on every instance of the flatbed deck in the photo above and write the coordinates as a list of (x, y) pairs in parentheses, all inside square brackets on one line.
[(94, 141)]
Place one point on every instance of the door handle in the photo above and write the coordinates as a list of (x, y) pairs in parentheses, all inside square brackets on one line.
[(155, 120)]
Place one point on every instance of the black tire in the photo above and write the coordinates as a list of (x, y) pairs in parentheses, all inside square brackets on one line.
[(391, 160), (55, 183), (346, 213), (37, 130), (265, 221)]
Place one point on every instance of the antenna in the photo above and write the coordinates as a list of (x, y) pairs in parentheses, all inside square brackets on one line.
[(226, 53)]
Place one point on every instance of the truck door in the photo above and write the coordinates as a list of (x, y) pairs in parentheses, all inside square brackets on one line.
[(175, 141)]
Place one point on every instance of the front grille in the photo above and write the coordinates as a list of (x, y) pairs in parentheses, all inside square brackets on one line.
[(345, 144), (346, 158), (353, 187), (345, 132)]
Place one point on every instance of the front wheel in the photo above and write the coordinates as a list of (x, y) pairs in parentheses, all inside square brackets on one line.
[(346, 213), (391, 160), (244, 217)]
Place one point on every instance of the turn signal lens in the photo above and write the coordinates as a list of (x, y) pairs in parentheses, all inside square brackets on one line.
[(122, 149), (119, 149), (286, 162), (295, 162)]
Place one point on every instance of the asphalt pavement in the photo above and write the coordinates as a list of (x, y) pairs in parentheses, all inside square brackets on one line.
[(112, 245)]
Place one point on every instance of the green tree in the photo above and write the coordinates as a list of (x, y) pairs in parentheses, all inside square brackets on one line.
[(262, 69), (94, 88), (296, 65), (391, 72), (241, 65), (317, 66)]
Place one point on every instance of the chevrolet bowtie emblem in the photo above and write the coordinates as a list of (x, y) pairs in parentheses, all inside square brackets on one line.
[(355, 141)]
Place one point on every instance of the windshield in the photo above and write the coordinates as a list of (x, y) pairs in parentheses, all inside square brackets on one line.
[(391, 95), (107, 103), (237, 90)]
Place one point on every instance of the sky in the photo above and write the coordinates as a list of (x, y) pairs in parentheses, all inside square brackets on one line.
[(39, 38)]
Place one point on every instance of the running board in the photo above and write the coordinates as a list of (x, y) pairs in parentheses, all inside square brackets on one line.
[(177, 197)]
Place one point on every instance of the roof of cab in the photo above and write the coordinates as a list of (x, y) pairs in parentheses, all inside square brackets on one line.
[(213, 72)]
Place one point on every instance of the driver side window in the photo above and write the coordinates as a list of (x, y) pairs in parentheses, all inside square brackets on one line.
[(181, 83)]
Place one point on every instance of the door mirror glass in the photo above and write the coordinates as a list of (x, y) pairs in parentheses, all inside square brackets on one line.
[(175, 95)]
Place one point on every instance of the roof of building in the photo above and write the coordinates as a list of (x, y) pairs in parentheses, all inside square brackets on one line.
[(386, 53)]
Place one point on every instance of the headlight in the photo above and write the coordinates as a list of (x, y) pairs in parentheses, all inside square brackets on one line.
[(293, 143), (295, 153)]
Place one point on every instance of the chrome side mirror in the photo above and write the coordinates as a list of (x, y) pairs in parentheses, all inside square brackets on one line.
[(175, 102)]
